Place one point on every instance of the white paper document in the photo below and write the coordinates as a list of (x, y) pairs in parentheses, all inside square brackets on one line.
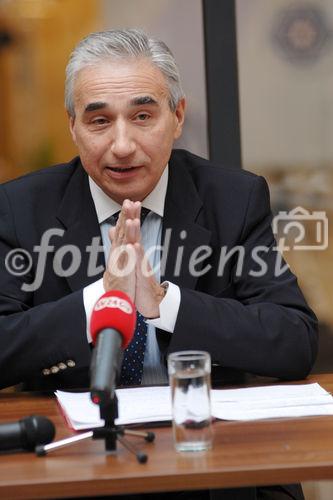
[(153, 404), (135, 406), (273, 401)]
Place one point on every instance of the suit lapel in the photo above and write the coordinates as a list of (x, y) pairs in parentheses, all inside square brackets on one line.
[(181, 232), (78, 216)]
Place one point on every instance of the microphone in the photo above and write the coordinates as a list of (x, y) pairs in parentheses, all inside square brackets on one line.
[(26, 433), (112, 326)]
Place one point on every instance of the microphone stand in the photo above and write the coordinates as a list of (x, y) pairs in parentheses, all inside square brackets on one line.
[(110, 432)]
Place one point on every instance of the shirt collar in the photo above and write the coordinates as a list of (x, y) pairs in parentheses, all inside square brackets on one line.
[(106, 206)]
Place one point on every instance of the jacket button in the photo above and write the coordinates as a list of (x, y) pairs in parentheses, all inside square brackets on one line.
[(70, 363), (54, 369), (62, 366), (46, 371)]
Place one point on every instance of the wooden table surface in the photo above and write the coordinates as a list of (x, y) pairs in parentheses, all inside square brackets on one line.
[(244, 454)]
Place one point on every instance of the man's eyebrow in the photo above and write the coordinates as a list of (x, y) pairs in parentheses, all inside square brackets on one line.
[(136, 101), (93, 106), (146, 99)]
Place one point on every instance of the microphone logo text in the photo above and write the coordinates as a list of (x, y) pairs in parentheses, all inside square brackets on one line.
[(113, 303)]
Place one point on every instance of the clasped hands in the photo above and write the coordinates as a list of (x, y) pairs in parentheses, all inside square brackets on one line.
[(127, 267)]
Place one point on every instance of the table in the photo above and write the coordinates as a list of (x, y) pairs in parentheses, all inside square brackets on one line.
[(244, 454)]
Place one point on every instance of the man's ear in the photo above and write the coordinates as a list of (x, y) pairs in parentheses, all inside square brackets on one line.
[(71, 120), (180, 117)]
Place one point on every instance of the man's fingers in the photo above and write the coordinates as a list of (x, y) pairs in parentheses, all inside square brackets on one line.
[(142, 262), (139, 252), (120, 271), (112, 232), (122, 261), (148, 291), (130, 211), (132, 231), (133, 210), (136, 210), (120, 226)]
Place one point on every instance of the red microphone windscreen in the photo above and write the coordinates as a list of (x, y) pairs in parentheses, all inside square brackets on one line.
[(114, 310)]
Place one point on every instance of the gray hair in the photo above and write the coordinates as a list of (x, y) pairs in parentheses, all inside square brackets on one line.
[(123, 44)]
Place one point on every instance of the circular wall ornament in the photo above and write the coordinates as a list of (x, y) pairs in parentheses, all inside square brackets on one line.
[(301, 33)]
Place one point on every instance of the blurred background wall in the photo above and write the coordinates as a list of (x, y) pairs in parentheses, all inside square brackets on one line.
[(37, 36), (285, 56)]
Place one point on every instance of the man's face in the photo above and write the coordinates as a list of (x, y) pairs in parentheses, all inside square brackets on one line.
[(123, 126)]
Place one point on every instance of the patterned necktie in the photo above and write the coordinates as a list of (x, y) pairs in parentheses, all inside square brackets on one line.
[(132, 366), (134, 355)]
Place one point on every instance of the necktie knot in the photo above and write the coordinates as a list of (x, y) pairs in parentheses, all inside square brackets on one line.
[(114, 218), (144, 212)]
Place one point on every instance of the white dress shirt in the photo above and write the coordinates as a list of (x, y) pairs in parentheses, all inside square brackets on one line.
[(154, 371)]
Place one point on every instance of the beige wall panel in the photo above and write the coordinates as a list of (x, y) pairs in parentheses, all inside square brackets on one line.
[(35, 130)]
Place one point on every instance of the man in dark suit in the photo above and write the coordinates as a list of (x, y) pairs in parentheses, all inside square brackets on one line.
[(217, 283)]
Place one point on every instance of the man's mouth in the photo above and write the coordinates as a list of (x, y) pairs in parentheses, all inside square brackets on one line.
[(123, 173), (121, 169)]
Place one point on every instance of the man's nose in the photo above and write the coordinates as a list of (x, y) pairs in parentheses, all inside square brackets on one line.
[(122, 141)]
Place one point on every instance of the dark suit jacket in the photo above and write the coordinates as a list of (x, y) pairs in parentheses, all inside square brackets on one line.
[(260, 325)]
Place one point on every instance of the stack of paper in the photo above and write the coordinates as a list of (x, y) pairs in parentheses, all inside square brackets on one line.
[(153, 404), (272, 401), (135, 406)]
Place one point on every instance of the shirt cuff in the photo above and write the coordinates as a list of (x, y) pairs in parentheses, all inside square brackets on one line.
[(91, 294), (169, 307)]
